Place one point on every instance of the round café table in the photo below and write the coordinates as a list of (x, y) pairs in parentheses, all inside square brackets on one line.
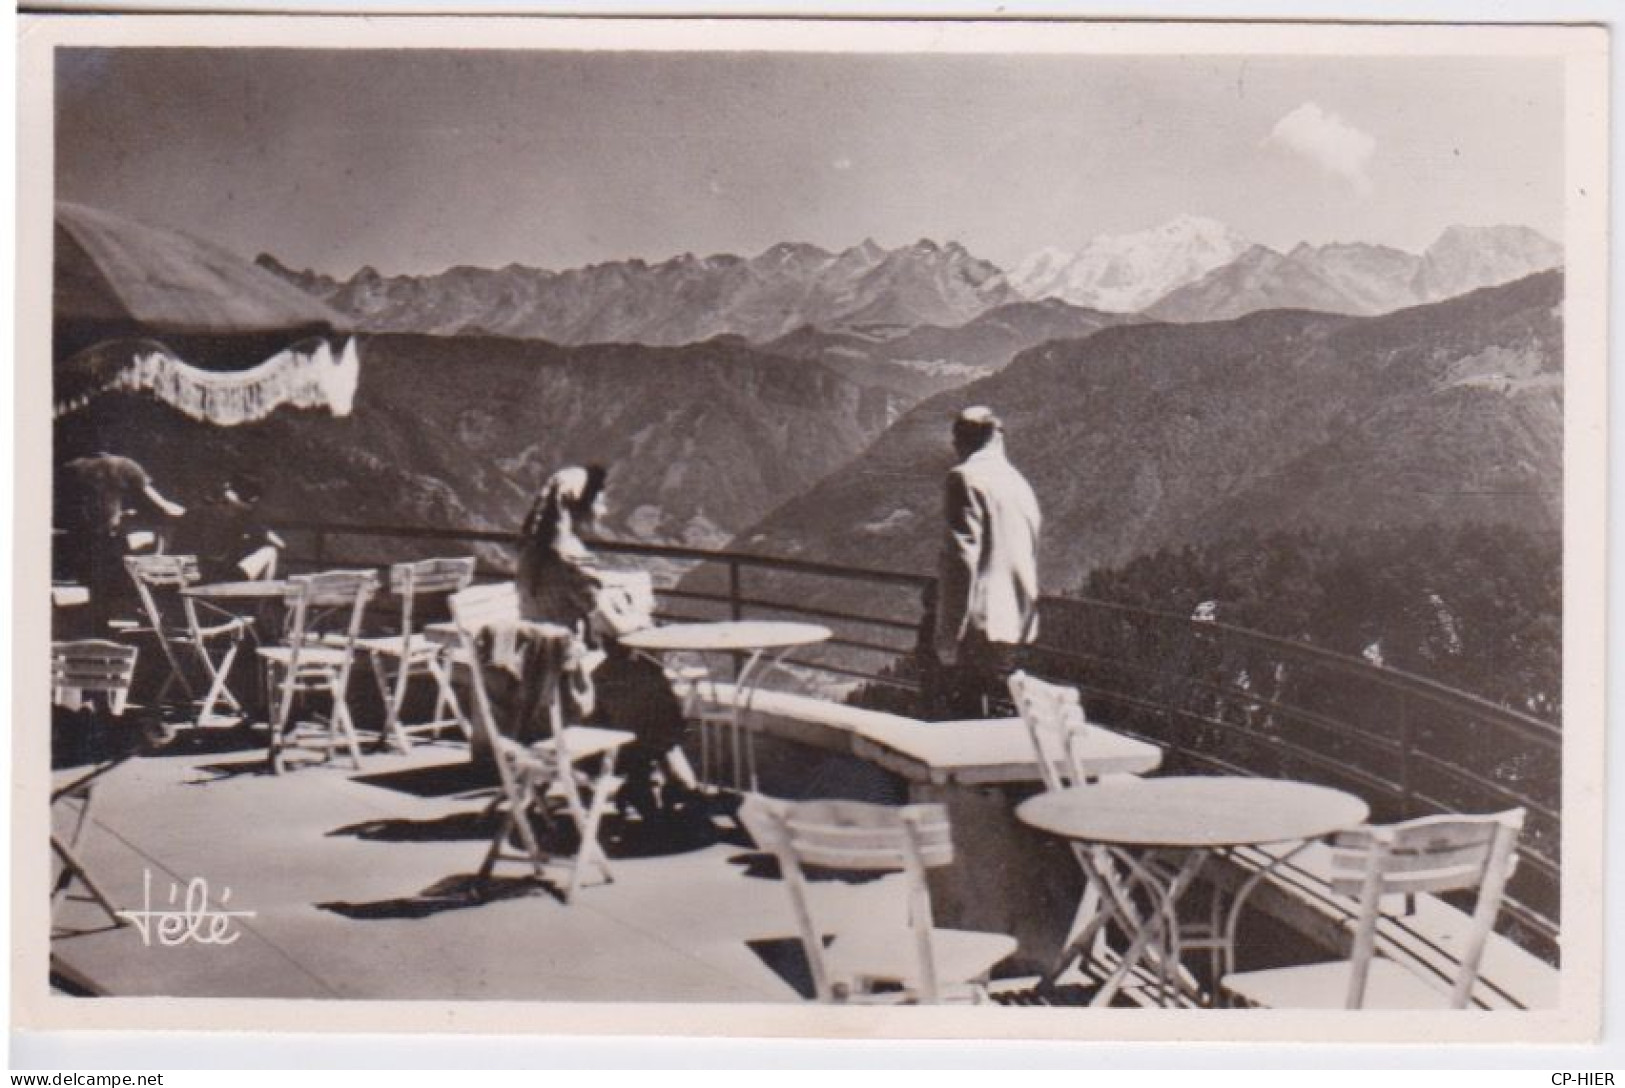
[(1196, 816), (766, 642), (244, 599)]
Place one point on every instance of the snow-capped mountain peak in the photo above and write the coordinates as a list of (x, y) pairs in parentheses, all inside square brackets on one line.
[(1126, 272)]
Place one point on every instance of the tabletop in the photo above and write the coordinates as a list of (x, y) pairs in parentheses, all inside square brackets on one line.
[(239, 591), (1194, 812), (994, 750), (728, 635), (69, 595)]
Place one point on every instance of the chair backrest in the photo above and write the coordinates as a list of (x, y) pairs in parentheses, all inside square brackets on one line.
[(1055, 720), (162, 570), (425, 578), (330, 602), (854, 835), (475, 610), (167, 573), (332, 588), (92, 665), (1431, 854), (478, 607)]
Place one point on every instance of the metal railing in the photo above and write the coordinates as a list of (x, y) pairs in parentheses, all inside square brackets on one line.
[(1215, 697)]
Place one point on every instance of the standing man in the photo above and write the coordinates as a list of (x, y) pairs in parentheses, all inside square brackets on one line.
[(987, 583)]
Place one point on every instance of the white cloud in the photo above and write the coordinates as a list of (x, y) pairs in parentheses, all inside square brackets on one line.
[(1329, 142), (843, 163)]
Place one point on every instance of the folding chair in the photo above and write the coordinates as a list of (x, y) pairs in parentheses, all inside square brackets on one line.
[(1058, 726), (554, 767), (412, 653), (201, 632), (316, 658), (903, 960), (1054, 716), (1431, 854), (87, 671)]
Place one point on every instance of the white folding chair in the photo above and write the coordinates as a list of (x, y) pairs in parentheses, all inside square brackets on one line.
[(1431, 854), (206, 635), (316, 658), (1053, 714), (1055, 719), (575, 764), (907, 959), (397, 658), (87, 672)]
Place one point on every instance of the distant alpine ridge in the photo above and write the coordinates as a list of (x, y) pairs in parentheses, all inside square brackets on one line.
[(1140, 435), (1128, 272), (1355, 278), (1188, 269), (680, 301)]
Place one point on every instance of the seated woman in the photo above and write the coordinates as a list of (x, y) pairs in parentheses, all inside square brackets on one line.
[(560, 582)]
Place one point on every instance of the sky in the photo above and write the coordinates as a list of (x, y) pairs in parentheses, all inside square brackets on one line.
[(415, 161)]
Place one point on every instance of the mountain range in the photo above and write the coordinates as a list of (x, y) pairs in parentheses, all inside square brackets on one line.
[(678, 301), (1142, 435), (1188, 269), (1354, 278), (1142, 438)]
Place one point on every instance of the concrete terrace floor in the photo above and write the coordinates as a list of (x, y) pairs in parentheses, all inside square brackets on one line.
[(359, 883)]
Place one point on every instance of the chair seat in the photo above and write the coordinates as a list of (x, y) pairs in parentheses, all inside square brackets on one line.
[(311, 655), (1325, 986), (581, 741), (587, 741), (224, 627), (887, 954), (390, 645), (443, 632)]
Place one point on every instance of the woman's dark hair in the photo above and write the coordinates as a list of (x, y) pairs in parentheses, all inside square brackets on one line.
[(569, 493), (597, 479)]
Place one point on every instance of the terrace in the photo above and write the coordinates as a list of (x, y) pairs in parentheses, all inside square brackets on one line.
[(372, 894)]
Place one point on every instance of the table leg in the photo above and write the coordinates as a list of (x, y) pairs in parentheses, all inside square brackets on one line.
[(1162, 919), (1240, 900), (1105, 890), (744, 698), (1100, 886)]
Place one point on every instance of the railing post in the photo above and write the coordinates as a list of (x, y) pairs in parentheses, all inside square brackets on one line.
[(1406, 801), (736, 608)]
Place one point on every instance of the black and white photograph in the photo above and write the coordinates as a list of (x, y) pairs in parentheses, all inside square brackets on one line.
[(1069, 530)]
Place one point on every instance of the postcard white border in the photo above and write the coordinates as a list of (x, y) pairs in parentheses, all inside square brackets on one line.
[(1584, 52)]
